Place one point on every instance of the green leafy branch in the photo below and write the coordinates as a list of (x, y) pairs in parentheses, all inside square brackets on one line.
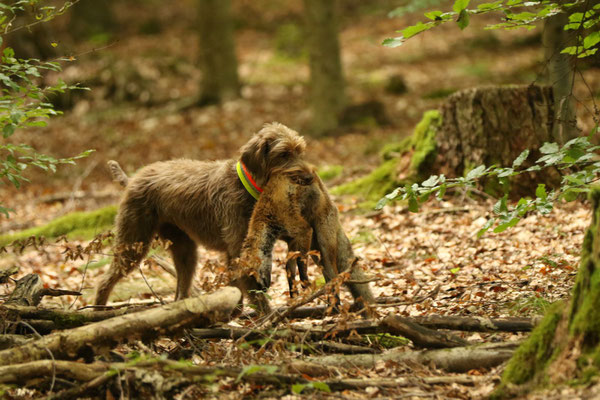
[(575, 160), (24, 100), (43, 13), (514, 17)]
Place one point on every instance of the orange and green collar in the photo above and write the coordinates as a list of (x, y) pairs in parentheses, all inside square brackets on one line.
[(247, 180)]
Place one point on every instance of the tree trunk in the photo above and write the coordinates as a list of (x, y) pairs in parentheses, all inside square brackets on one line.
[(217, 52), (89, 18), (566, 344), (560, 76), (326, 78)]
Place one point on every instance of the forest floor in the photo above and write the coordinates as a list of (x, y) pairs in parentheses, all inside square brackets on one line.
[(137, 113)]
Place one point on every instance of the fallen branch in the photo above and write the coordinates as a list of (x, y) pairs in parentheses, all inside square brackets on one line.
[(30, 290), (96, 374), (478, 324), (21, 373), (6, 273), (63, 318), (419, 335), (457, 359), (168, 319), (349, 384), (362, 327), (8, 340)]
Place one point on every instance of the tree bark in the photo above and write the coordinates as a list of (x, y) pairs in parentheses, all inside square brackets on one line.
[(560, 76), (218, 61), (493, 125), (566, 343), (90, 18), (30, 290), (326, 79), (170, 318)]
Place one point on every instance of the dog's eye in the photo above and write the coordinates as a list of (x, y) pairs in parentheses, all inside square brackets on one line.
[(285, 154)]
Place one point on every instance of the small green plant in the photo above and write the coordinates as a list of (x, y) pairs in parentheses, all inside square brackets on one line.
[(535, 304), (576, 159), (255, 369), (321, 386), (519, 14)]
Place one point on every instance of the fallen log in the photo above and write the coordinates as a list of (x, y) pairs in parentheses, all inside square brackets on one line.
[(63, 319), (363, 327), (478, 324), (457, 323), (457, 359), (21, 373), (350, 384), (95, 374), (168, 319), (419, 335)]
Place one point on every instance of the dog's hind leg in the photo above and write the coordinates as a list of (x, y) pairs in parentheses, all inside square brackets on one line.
[(184, 252), (135, 228)]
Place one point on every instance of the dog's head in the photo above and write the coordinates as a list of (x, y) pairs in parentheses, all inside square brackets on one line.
[(274, 147)]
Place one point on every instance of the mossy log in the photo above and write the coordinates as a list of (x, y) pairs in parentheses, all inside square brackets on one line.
[(76, 224), (565, 347)]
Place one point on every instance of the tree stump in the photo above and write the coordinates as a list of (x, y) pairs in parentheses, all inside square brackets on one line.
[(479, 126), (493, 125)]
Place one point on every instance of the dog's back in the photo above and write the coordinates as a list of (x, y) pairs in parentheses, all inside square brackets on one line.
[(202, 198)]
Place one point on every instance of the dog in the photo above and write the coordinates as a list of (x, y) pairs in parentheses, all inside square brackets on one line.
[(191, 202), (295, 262)]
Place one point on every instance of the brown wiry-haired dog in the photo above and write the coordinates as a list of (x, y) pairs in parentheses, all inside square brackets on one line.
[(295, 203), (196, 202)]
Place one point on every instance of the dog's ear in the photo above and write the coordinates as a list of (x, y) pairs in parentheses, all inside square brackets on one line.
[(255, 154)]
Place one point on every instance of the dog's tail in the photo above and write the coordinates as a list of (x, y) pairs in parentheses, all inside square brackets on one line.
[(118, 175)]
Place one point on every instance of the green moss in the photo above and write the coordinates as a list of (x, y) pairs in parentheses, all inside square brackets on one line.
[(396, 149), (373, 186), (330, 172), (424, 143), (386, 340), (290, 41), (70, 321), (384, 179), (533, 356), (76, 224)]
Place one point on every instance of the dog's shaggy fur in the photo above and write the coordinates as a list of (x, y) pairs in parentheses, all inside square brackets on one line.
[(196, 202)]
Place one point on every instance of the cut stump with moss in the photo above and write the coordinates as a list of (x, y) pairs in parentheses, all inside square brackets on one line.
[(565, 347), (403, 162), (493, 125), (478, 126)]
